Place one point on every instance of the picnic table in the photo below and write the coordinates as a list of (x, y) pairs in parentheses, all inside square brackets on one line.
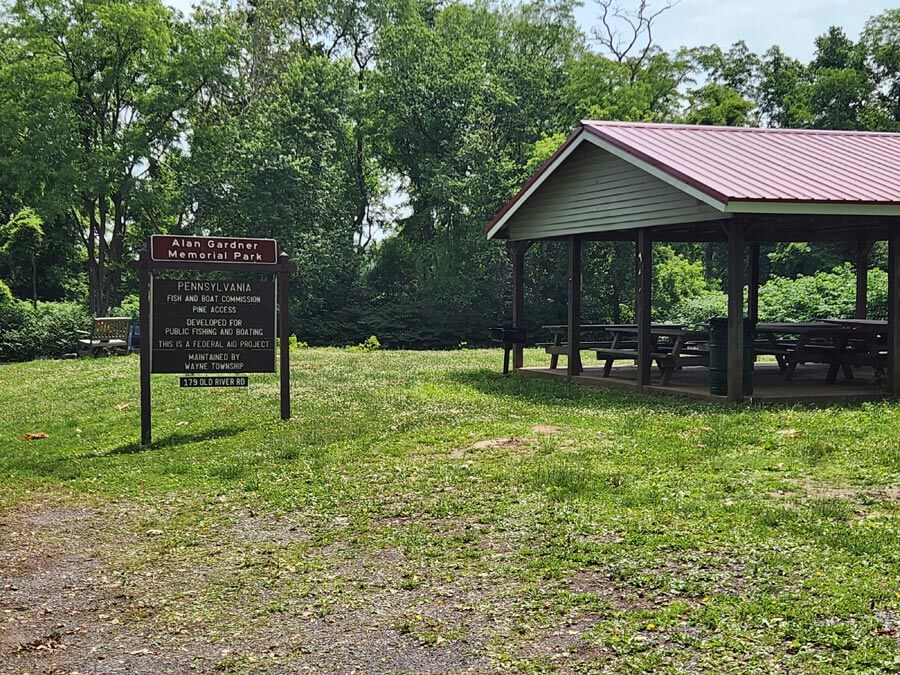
[(839, 343), (672, 346)]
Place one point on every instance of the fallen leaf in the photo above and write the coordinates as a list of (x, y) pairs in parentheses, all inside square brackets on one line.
[(36, 436)]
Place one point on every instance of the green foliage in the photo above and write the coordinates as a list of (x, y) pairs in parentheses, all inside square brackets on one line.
[(720, 105), (294, 343), (370, 344), (675, 278), (23, 235), (374, 141), (821, 295), (130, 306), (6, 295), (48, 330), (696, 311)]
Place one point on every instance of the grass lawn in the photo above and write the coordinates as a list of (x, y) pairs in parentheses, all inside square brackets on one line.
[(424, 513)]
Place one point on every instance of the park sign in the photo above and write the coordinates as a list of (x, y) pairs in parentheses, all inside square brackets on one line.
[(212, 326), (213, 330), (221, 250)]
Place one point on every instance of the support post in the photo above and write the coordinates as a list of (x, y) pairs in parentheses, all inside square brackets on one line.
[(753, 285), (143, 267), (284, 324), (736, 311), (573, 367), (643, 304), (518, 300), (863, 249), (893, 378)]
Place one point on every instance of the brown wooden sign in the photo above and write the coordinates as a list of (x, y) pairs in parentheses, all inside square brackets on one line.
[(212, 327), (216, 250)]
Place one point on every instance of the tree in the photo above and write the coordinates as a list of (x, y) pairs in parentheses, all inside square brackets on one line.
[(23, 239), (99, 91), (881, 41), (463, 93), (626, 34)]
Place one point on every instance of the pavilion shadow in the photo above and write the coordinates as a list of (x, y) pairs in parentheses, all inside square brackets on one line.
[(562, 393)]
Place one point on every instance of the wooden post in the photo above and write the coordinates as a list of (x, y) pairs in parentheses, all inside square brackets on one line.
[(736, 311), (573, 367), (753, 285), (143, 266), (518, 300), (863, 249), (643, 304), (893, 378), (284, 304)]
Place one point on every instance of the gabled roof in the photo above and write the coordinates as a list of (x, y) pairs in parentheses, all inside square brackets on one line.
[(748, 170)]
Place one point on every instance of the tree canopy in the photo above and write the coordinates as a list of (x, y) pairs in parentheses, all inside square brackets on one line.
[(374, 140)]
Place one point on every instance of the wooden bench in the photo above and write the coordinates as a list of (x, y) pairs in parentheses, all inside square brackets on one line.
[(108, 335)]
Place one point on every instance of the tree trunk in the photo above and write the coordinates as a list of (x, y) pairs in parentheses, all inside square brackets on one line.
[(34, 296)]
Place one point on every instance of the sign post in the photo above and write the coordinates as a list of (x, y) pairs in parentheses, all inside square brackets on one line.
[(212, 330)]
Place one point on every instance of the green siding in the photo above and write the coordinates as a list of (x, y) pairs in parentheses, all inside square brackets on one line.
[(594, 191)]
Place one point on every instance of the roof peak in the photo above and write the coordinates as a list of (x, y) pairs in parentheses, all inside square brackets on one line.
[(705, 128)]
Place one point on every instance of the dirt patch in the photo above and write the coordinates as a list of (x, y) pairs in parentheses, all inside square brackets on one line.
[(546, 429), (567, 642), (621, 596), (63, 610), (278, 531), (512, 443), (68, 603), (804, 491)]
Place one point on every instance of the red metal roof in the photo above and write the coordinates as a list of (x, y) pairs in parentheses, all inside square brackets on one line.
[(734, 163), (738, 164)]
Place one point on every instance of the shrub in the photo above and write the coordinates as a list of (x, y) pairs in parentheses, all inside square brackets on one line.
[(48, 330), (130, 307), (294, 343), (695, 312), (370, 344), (6, 295), (822, 295)]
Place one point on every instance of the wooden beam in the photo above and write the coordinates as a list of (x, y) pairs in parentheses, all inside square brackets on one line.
[(893, 378), (143, 267), (736, 312), (753, 285), (573, 367), (643, 284), (863, 248), (518, 299)]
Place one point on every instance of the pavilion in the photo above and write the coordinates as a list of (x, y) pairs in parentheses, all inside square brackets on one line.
[(643, 182)]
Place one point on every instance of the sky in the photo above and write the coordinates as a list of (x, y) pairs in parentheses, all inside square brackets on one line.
[(791, 24)]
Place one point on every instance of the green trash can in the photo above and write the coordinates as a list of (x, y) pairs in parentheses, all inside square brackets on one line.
[(718, 356)]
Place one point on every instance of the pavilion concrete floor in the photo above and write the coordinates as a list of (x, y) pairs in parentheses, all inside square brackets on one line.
[(769, 386)]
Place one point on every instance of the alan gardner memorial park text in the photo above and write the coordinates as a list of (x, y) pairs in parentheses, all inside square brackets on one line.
[(213, 327)]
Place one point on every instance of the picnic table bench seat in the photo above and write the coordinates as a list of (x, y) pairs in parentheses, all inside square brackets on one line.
[(108, 334), (667, 359)]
